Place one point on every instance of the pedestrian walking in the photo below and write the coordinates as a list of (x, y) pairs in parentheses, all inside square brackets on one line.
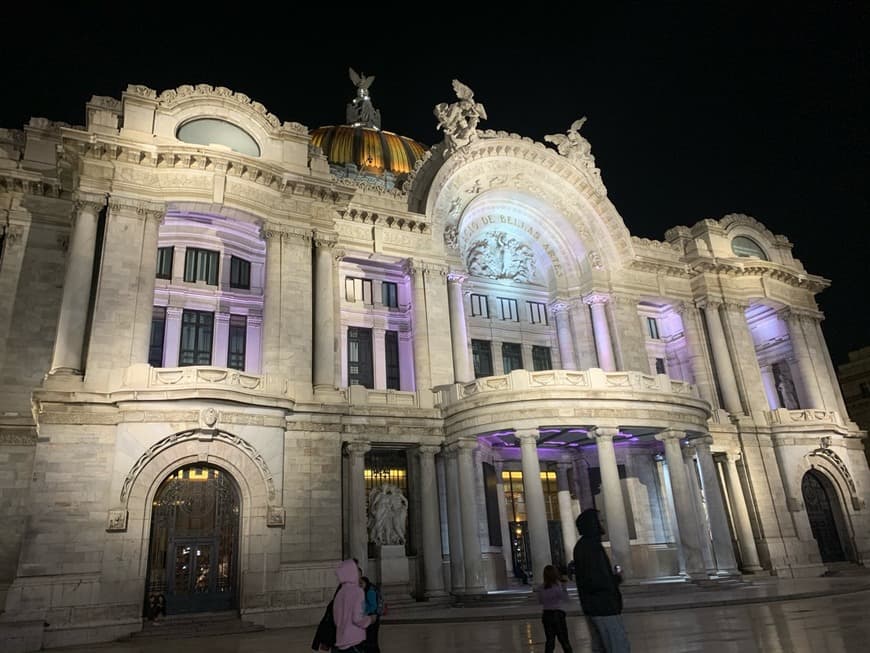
[(553, 596), (348, 609), (598, 587)]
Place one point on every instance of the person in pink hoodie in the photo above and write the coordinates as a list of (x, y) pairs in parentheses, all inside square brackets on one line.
[(348, 609)]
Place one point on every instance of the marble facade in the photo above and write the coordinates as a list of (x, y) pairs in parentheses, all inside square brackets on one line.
[(511, 328)]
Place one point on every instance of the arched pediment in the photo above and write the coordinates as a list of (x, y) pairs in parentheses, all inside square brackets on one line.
[(527, 191)]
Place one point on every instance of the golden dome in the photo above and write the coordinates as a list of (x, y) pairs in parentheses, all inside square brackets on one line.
[(371, 150)]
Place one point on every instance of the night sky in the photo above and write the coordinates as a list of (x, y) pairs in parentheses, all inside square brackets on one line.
[(694, 110)]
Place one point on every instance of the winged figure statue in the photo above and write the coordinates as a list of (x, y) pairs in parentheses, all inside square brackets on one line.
[(459, 120), (572, 144), (361, 81), (360, 110)]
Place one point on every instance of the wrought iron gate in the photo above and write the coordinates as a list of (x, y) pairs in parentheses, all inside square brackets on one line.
[(820, 512), (193, 554)]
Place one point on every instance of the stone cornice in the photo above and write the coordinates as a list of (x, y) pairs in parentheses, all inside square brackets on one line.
[(764, 269), (415, 224), (30, 183), (142, 208)]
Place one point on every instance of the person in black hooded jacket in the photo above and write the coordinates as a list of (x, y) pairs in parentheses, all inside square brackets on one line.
[(598, 587)]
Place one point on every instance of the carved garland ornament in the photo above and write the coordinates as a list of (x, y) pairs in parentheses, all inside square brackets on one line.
[(198, 434), (830, 456)]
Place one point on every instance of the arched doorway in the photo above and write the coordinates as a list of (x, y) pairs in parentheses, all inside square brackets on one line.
[(822, 510), (193, 553)]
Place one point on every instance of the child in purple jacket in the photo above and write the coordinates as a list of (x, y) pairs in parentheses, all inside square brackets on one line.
[(553, 595)]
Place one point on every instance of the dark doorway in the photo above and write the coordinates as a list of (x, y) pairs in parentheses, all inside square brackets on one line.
[(820, 500), (193, 554)]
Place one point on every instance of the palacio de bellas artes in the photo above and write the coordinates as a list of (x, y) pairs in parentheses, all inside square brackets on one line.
[(235, 350)]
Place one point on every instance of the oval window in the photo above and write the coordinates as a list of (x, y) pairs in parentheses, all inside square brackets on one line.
[(211, 131), (743, 246)]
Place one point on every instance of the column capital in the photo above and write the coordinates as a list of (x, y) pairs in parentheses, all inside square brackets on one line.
[(174, 311), (558, 306), (731, 304), (221, 317), (428, 450), (88, 201), (142, 208), (255, 320), (323, 240), (525, 434), (669, 434), (357, 448), (456, 278), (705, 303), (603, 433), (703, 442), (596, 298), (273, 231), (684, 308)]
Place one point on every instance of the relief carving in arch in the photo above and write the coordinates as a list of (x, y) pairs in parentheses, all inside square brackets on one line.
[(198, 434), (839, 465)]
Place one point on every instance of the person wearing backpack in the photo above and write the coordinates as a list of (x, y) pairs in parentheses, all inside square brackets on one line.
[(375, 607), (348, 610)]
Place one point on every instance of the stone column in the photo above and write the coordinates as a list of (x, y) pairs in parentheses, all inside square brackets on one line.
[(220, 347), (73, 319), (379, 349), (434, 582), (725, 560), (832, 384), (145, 296), (422, 360), (699, 514), (745, 358), (603, 343), (690, 541), (696, 346), (769, 384), (454, 521), (272, 301), (812, 396), (358, 537), (468, 497), (172, 336), (584, 340), (740, 515), (536, 509), (253, 339), (463, 370), (324, 312), (506, 547), (614, 503), (559, 311), (566, 514), (722, 359)]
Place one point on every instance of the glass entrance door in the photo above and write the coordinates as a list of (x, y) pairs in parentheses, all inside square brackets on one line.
[(194, 541)]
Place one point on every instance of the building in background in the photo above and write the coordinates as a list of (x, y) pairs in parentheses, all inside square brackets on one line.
[(222, 336), (855, 383)]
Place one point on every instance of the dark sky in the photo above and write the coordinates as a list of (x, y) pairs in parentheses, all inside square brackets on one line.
[(695, 109)]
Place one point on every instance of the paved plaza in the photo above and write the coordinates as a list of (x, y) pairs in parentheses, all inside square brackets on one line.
[(766, 617)]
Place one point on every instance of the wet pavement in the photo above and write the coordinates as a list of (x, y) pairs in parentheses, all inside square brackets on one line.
[(816, 615)]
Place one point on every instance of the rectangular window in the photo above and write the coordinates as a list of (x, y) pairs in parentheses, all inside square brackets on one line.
[(481, 353), (511, 356), (652, 327), (541, 358), (480, 306), (358, 290), (509, 309), (237, 339), (660, 366), (201, 265), (164, 262), (390, 294), (391, 353), (537, 313), (197, 332), (158, 332), (240, 273), (360, 370)]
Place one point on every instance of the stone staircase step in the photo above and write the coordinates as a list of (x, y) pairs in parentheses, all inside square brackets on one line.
[(196, 625)]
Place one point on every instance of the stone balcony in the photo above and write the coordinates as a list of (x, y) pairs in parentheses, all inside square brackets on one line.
[(632, 401), (808, 420)]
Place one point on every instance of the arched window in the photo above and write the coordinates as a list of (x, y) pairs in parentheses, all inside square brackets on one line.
[(211, 131), (745, 246)]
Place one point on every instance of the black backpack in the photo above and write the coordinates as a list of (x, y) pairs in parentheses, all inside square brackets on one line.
[(325, 634)]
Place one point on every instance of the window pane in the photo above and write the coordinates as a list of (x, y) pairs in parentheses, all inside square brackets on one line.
[(391, 352), (196, 338), (158, 331), (236, 352), (359, 357), (190, 264), (389, 294), (164, 262), (541, 358), (512, 357), (481, 354), (240, 273)]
